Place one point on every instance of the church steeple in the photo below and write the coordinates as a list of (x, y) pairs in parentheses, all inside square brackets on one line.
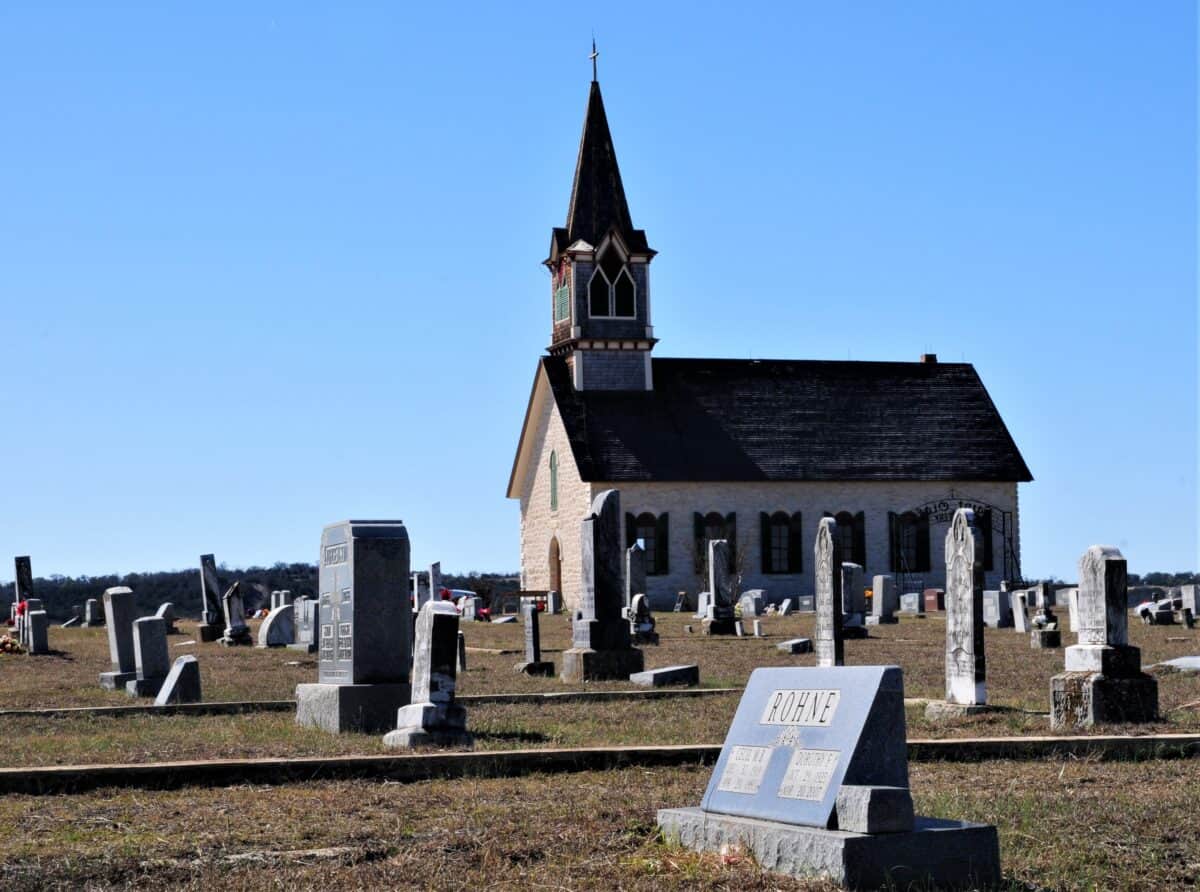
[(600, 268)]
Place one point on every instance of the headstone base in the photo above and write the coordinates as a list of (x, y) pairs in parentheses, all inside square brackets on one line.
[(873, 620), (544, 668), (796, 646), (209, 632), (719, 626), (1083, 699), (303, 648), (236, 638), (585, 664), (144, 687), (657, 678), (337, 708), (429, 724), (852, 632), (116, 681), (941, 710), (936, 853), (1045, 638)]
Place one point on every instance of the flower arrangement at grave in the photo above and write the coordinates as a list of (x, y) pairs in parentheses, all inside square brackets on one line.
[(10, 645)]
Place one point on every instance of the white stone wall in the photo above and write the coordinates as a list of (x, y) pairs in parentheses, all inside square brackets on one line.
[(540, 524), (812, 499)]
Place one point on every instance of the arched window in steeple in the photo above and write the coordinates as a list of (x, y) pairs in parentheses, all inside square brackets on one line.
[(611, 291), (553, 481)]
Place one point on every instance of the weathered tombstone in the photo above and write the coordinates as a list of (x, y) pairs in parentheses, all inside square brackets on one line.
[(472, 607), (738, 629), (796, 646), (554, 602), (24, 628), (435, 581), (703, 604), (93, 616), (151, 659), (279, 628), (433, 718), (883, 601), (462, 651), (1189, 598), (752, 603), (286, 597), (212, 623), (912, 603), (1045, 633), (1071, 597), (680, 602), (1103, 681), (641, 621), (364, 629), (1021, 612), (854, 598), (23, 579), (966, 669), (785, 608), (667, 675), (806, 603), (997, 609), (118, 617), (304, 618), (236, 630), (758, 628), (719, 617), (182, 684), (1043, 595), (600, 642), (935, 600), (39, 632), (635, 572), (533, 663), (813, 781), (166, 612), (827, 570)]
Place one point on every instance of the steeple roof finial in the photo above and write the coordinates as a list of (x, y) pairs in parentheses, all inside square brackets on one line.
[(594, 56)]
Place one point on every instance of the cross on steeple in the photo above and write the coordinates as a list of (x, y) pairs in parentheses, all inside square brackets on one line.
[(594, 56)]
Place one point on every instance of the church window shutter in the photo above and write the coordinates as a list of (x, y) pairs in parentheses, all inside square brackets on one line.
[(731, 537), (701, 539), (764, 532), (631, 535), (795, 545), (923, 543), (860, 539), (662, 549), (983, 524), (893, 542)]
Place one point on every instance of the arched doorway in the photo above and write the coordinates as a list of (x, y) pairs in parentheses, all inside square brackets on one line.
[(555, 566)]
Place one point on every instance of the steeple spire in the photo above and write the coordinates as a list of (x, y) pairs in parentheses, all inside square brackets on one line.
[(594, 56)]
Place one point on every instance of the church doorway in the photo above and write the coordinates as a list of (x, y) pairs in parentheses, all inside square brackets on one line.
[(555, 566)]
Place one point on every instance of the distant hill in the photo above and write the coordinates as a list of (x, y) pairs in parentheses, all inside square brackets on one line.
[(61, 595)]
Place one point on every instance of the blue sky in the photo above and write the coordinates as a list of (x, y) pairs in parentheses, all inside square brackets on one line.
[(267, 266)]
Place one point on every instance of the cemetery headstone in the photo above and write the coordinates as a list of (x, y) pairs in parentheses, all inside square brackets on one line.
[(39, 632), (813, 781), (462, 651), (719, 616), (827, 570), (304, 618), (703, 605), (806, 603), (151, 659), (364, 629), (785, 608), (1045, 633), (118, 617), (796, 646), (472, 605), (182, 684), (752, 603), (279, 628), (236, 630), (912, 603), (738, 629), (533, 663), (854, 599), (601, 647), (70, 622), (24, 629), (1103, 681), (635, 572), (1021, 612), (166, 612), (554, 602), (667, 675), (1189, 598), (935, 600), (212, 622), (641, 621), (1070, 596), (883, 601), (966, 670), (433, 718), (758, 628), (23, 579), (680, 602), (93, 616), (435, 581), (997, 609)]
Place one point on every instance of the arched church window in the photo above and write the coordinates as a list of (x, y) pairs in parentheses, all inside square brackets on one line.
[(852, 539), (910, 542), (611, 291), (553, 481)]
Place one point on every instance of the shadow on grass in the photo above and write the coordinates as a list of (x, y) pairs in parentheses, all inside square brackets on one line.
[(523, 736)]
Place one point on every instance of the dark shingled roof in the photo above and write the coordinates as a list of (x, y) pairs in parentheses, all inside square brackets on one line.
[(598, 202), (737, 419)]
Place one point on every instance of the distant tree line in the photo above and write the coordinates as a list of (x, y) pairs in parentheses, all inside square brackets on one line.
[(62, 595)]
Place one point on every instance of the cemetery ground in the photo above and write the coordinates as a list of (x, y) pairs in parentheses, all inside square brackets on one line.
[(1063, 822)]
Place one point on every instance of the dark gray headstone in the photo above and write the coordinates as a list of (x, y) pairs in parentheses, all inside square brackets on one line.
[(667, 675), (635, 572), (827, 570), (23, 585), (854, 598), (533, 638), (365, 624), (39, 632), (210, 591)]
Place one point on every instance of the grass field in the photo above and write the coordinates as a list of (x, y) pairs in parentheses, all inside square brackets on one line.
[(1063, 823)]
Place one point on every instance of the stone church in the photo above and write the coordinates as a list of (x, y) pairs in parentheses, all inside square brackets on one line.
[(748, 450)]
